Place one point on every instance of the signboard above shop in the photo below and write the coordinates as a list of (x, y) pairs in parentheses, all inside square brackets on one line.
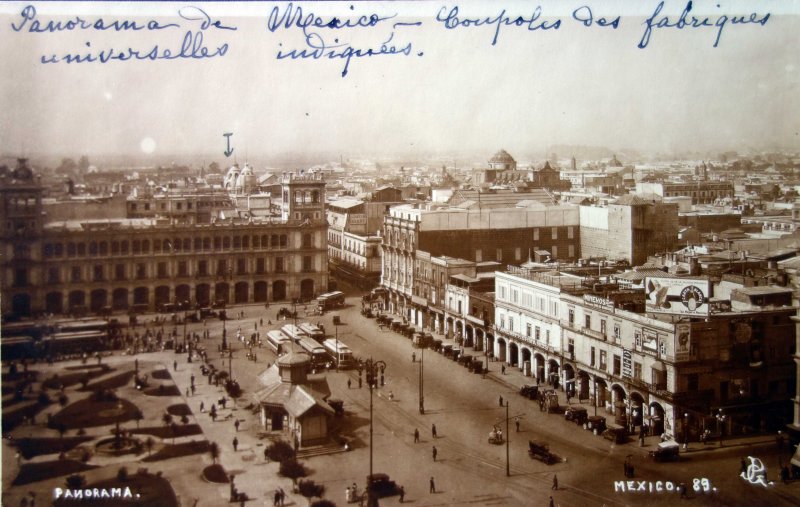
[(679, 296)]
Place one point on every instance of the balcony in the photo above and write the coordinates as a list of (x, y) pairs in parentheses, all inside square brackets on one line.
[(597, 335)]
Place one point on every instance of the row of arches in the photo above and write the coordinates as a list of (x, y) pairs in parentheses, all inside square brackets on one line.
[(202, 294)]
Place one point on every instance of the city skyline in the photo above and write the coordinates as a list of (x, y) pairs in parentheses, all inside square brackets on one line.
[(529, 91)]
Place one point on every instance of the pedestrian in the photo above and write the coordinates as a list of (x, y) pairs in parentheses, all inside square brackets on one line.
[(283, 495), (434, 452), (235, 443), (433, 486), (192, 378), (202, 407), (187, 392), (192, 389), (276, 498), (516, 423), (416, 435), (433, 430), (682, 488), (175, 365), (359, 381), (236, 425), (349, 382), (744, 467), (503, 369), (501, 400), (266, 453), (552, 504), (413, 357), (402, 493), (555, 482)]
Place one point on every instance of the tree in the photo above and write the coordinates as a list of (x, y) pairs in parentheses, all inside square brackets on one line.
[(138, 416), (184, 419), (292, 469), (166, 419), (213, 450), (280, 451), (310, 489)]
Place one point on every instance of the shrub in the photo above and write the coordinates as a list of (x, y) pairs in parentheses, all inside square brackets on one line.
[(122, 474), (280, 451), (292, 469), (75, 481), (310, 489)]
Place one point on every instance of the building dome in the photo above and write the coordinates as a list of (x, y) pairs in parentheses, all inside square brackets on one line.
[(246, 181), (231, 178), (502, 160)]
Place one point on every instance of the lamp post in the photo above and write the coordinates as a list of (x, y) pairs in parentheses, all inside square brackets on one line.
[(508, 437), (422, 377), (372, 368), (721, 417)]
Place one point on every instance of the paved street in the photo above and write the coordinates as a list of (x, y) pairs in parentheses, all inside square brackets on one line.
[(464, 406)]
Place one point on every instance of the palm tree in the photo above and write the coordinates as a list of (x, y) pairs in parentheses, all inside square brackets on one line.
[(166, 419), (213, 450)]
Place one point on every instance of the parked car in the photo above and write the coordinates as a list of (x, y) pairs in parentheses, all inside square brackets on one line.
[(596, 422), (381, 485), (529, 391), (616, 434), (541, 451), (666, 451), (578, 415)]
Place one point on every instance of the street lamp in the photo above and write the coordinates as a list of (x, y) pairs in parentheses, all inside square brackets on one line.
[(372, 367), (720, 424), (508, 437)]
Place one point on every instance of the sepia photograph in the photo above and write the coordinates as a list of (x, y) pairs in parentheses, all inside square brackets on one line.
[(321, 253)]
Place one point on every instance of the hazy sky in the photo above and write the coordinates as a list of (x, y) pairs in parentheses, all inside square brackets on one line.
[(574, 85)]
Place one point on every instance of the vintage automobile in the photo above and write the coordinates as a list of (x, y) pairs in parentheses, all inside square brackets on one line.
[(541, 451), (496, 436), (616, 434), (578, 415), (529, 391), (550, 398), (381, 485), (666, 451), (596, 423)]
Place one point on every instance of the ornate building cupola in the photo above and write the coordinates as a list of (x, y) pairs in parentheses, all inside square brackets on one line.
[(503, 161), (303, 197)]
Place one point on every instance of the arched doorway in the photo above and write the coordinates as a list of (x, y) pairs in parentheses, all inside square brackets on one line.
[(602, 394), (222, 293), (240, 292), (569, 378), (260, 292), (538, 367), (582, 385), (469, 336), (21, 305), (656, 419), (141, 296), (490, 343), (54, 302), (77, 299), (618, 397), (119, 299), (513, 353), (279, 290), (202, 294), (98, 300), (183, 293), (307, 289), (526, 364), (162, 295), (500, 354), (637, 408), (553, 373), (478, 341), (449, 328)]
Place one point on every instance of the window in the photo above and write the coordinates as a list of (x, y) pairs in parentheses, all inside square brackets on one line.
[(603, 358), (571, 250), (555, 252), (260, 266), (554, 234), (222, 267), (591, 358), (547, 337), (571, 232), (307, 241), (161, 270), (518, 253), (528, 329), (279, 268), (538, 333), (602, 327), (499, 254), (587, 321), (617, 333), (241, 266), (141, 271), (183, 269), (571, 347), (536, 234), (571, 317), (510, 319), (97, 272), (692, 382), (75, 274), (284, 241), (119, 271), (20, 277), (617, 365), (637, 340), (502, 322), (308, 263), (202, 268), (637, 371), (478, 255), (52, 275), (514, 295)]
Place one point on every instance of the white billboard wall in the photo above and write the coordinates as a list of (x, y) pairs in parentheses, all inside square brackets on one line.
[(679, 296)]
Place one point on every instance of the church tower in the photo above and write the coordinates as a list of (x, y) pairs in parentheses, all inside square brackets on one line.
[(303, 198)]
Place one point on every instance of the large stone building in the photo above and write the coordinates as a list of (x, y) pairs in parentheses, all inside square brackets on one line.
[(97, 265), (674, 373), (701, 192)]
